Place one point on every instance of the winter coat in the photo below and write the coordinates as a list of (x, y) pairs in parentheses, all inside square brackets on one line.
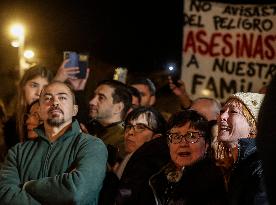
[(134, 186), (246, 182), (198, 184)]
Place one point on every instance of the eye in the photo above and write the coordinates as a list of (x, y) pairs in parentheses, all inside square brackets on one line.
[(140, 127), (34, 85), (62, 98), (101, 97), (47, 98), (193, 135), (143, 94), (222, 111), (175, 136), (234, 111)]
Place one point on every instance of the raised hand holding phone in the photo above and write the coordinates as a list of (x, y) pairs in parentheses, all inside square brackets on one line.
[(64, 73), (79, 83), (77, 60), (180, 92)]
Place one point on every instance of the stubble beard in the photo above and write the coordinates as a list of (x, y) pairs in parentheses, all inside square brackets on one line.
[(55, 122)]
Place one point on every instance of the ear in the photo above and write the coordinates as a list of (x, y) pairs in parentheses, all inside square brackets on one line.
[(118, 107), (156, 136), (75, 110), (152, 100)]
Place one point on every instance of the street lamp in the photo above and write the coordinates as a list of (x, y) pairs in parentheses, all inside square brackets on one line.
[(29, 54), (18, 31)]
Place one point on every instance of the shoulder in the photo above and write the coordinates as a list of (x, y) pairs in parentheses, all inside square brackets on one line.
[(91, 141)]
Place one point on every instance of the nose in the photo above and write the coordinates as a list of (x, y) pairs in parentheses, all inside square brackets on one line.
[(38, 91), (55, 101), (28, 121), (93, 101), (223, 115), (184, 143)]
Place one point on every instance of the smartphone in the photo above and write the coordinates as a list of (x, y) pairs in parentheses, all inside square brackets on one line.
[(175, 80), (120, 74), (83, 65), (77, 60), (73, 59)]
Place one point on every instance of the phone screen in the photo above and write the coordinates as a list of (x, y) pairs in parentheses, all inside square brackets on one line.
[(77, 60), (73, 59), (83, 65)]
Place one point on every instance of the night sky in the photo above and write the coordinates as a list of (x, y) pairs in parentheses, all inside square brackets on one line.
[(140, 35)]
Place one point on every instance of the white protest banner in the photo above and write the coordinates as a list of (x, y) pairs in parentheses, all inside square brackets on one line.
[(227, 48)]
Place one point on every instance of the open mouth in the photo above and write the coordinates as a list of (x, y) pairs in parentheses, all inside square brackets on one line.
[(225, 129), (184, 154)]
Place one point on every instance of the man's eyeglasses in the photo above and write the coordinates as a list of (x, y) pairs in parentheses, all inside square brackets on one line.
[(140, 127), (190, 137)]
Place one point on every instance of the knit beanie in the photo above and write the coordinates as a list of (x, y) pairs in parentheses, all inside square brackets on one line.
[(252, 101)]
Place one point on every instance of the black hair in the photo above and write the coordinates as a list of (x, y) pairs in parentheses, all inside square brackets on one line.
[(147, 82), (196, 121), (134, 92), (31, 105), (155, 119), (121, 94)]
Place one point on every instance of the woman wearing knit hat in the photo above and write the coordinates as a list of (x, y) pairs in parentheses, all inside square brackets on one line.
[(237, 131)]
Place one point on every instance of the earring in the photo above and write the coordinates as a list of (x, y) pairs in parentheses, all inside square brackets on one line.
[(252, 133)]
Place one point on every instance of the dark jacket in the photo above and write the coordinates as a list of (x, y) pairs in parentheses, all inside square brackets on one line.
[(10, 134), (147, 160), (200, 184), (246, 182), (112, 134), (266, 139), (68, 171)]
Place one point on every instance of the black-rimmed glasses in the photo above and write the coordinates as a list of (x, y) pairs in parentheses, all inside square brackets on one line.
[(139, 127), (190, 137)]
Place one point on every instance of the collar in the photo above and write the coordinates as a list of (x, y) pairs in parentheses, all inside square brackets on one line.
[(114, 124), (246, 146), (72, 130)]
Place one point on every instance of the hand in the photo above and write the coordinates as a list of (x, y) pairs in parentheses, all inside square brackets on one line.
[(79, 84), (64, 74), (178, 91)]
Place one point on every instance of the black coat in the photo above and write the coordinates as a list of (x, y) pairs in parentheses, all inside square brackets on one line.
[(266, 139), (134, 184), (201, 183), (246, 183)]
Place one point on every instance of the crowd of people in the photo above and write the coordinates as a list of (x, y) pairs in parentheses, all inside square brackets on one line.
[(127, 151)]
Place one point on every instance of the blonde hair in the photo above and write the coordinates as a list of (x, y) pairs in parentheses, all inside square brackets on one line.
[(223, 153)]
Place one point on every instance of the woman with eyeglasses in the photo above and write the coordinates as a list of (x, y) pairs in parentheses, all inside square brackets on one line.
[(147, 152), (191, 177)]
